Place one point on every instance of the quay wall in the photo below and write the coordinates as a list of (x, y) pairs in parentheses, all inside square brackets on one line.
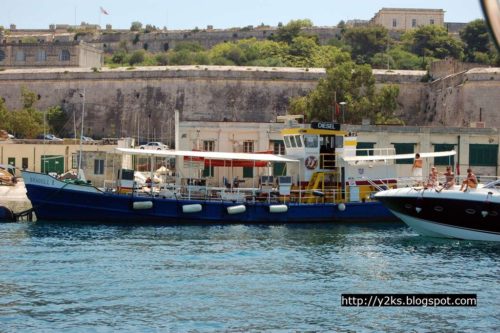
[(140, 102)]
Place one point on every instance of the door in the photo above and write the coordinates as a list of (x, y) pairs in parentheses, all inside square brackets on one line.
[(52, 163)]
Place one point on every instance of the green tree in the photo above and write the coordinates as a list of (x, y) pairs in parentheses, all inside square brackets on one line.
[(366, 42), (383, 61), (404, 59), (150, 28), (385, 104), (190, 46), (350, 83), (137, 57), (26, 122), (433, 41), (291, 30), (183, 57), (56, 119), (301, 51), (136, 26), (476, 39), (161, 59), (119, 57), (4, 116)]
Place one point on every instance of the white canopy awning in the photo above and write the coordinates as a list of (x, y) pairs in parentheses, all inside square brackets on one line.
[(397, 157), (207, 154)]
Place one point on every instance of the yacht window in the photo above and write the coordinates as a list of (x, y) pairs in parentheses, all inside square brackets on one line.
[(299, 141), (292, 142), (311, 141)]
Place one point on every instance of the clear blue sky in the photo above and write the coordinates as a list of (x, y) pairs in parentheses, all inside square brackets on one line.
[(187, 14)]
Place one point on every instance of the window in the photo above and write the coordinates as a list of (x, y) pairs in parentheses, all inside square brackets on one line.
[(311, 141), (208, 171), (64, 56), (11, 161), (248, 146), (394, 23), (25, 163), (208, 145), (247, 172), (445, 160), (432, 21), (413, 23), (298, 139), (287, 141), (20, 56), (404, 148), (278, 147), (98, 167), (483, 155), (292, 141), (41, 56), (362, 148), (2, 55)]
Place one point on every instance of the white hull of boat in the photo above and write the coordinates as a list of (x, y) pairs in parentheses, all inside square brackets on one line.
[(434, 229)]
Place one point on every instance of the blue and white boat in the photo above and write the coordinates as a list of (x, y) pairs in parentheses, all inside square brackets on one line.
[(325, 182)]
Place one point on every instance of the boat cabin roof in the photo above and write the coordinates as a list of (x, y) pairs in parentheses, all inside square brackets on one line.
[(316, 131), (207, 155), (397, 157)]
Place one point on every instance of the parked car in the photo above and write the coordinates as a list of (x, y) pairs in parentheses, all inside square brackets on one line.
[(154, 146), (10, 136), (50, 137), (87, 139)]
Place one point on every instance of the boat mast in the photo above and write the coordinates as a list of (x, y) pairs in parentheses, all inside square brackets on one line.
[(81, 134)]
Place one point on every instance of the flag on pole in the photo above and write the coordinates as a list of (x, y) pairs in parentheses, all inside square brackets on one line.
[(104, 11)]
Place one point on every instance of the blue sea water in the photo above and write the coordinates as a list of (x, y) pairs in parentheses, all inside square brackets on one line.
[(238, 278)]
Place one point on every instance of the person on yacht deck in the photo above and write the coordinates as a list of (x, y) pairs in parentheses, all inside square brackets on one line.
[(470, 181)]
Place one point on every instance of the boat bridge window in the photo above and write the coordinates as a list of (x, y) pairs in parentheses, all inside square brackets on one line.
[(287, 141), (292, 142), (339, 142), (299, 141), (310, 141)]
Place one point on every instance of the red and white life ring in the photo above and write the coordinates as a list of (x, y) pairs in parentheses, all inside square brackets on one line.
[(311, 162)]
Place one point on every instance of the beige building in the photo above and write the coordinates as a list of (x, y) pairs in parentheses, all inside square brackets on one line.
[(404, 19), (54, 54), (60, 157)]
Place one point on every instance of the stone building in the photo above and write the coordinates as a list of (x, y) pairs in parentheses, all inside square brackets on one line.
[(55, 54), (404, 19)]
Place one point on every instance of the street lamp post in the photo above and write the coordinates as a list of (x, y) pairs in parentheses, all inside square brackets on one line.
[(342, 105)]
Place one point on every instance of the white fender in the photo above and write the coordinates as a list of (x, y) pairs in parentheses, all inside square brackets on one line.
[(278, 209), (142, 205), (194, 208), (236, 209)]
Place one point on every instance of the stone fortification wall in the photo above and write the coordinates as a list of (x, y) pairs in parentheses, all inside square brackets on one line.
[(121, 102), (136, 102), (463, 99), (442, 68), (167, 40)]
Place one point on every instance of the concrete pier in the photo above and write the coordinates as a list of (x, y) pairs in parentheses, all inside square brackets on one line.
[(14, 197)]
